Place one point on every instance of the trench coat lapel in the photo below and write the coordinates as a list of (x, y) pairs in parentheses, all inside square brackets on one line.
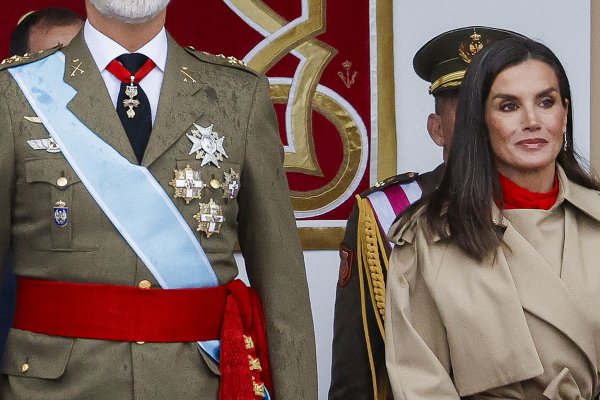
[(488, 337), (178, 109), (92, 104), (544, 294)]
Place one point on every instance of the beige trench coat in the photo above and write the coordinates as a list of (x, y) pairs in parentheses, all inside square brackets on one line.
[(506, 328)]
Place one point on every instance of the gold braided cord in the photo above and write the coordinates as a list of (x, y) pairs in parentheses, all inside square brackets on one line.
[(362, 204), (368, 241)]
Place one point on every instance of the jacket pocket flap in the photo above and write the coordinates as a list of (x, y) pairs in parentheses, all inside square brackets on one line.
[(34, 355), (50, 170)]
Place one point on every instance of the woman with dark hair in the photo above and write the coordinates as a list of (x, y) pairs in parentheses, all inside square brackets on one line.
[(494, 283)]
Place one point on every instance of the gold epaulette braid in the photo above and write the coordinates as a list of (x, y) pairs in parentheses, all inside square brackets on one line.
[(371, 231), (370, 247)]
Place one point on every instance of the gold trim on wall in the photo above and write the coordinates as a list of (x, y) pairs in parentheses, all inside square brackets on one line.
[(387, 163)]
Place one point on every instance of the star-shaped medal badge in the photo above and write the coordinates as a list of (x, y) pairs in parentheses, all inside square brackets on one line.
[(231, 186), (210, 218), (207, 145), (188, 184)]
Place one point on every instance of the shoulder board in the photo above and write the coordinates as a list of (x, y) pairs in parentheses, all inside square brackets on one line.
[(28, 58), (392, 180), (220, 59)]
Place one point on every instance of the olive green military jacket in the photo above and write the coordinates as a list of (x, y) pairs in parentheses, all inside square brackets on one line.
[(197, 88), (358, 358)]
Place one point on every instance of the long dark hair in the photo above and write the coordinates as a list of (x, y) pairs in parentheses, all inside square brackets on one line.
[(462, 205)]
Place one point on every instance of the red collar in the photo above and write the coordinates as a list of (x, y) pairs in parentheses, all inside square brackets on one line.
[(518, 197)]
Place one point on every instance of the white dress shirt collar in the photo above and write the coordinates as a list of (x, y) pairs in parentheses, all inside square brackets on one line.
[(104, 49)]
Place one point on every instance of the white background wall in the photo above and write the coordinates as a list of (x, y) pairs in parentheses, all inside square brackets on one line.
[(564, 26)]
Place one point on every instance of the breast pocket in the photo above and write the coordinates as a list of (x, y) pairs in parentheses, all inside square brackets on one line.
[(60, 211)]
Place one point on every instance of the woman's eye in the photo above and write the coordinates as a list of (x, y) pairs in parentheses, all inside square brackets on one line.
[(547, 103), (508, 107)]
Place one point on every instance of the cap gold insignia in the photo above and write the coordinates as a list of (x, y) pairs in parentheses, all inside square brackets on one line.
[(188, 184), (468, 49), (210, 218), (207, 145)]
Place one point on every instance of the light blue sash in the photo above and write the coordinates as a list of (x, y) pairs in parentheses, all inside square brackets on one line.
[(140, 209)]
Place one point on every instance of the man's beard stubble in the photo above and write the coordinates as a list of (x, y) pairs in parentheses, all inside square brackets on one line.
[(130, 11)]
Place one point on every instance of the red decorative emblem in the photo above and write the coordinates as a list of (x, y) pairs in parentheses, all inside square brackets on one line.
[(346, 257)]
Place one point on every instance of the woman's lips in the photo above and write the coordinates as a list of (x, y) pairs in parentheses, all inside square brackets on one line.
[(532, 143)]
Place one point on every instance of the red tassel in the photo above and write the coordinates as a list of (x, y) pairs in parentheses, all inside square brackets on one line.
[(236, 378)]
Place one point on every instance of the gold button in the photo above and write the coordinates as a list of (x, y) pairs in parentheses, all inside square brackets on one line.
[(24, 368), (144, 284), (62, 181), (215, 184)]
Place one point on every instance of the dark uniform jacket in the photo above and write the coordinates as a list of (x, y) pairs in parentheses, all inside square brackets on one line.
[(358, 359), (90, 250)]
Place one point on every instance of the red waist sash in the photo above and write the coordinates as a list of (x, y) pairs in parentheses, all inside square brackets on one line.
[(232, 313), (122, 313)]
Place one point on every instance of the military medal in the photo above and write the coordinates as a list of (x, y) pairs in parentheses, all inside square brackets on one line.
[(61, 214), (49, 145), (207, 145), (231, 186), (188, 184), (210, 218), (131, 91)]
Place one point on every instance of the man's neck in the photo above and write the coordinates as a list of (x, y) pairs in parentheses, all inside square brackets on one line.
[(131, 36)]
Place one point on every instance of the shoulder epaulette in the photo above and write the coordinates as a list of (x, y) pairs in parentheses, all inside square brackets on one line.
[(220, 59), (28, 58), (407, 177)]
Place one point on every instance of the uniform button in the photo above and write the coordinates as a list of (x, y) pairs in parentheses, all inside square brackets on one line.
[(62, 181), (215, 184), (24, 368), (144, 284), (140, 342)]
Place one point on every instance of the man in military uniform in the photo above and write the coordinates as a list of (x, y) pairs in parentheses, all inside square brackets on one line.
[(358, 362), (105, 210)]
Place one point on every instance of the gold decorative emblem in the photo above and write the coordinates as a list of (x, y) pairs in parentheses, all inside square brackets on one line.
[(188, 184), (77, 68), (249, 342), (207, 145), (259, 388), (347, 78), (16, 59), (186, 77), (254, 364), (210, 218), (468, 49), (231, 186), (232, 60)]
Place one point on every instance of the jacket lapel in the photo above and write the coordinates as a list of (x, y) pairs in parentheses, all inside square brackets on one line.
[(178, 109), (544, 294), (92, 104)]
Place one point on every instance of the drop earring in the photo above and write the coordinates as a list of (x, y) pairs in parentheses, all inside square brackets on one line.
[(565, 144)]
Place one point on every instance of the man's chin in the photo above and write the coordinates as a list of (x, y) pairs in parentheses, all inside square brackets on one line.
[(140, 12)]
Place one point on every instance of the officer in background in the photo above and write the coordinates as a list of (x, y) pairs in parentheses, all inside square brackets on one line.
[(358, 361), (35, 31), (44, 29)]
